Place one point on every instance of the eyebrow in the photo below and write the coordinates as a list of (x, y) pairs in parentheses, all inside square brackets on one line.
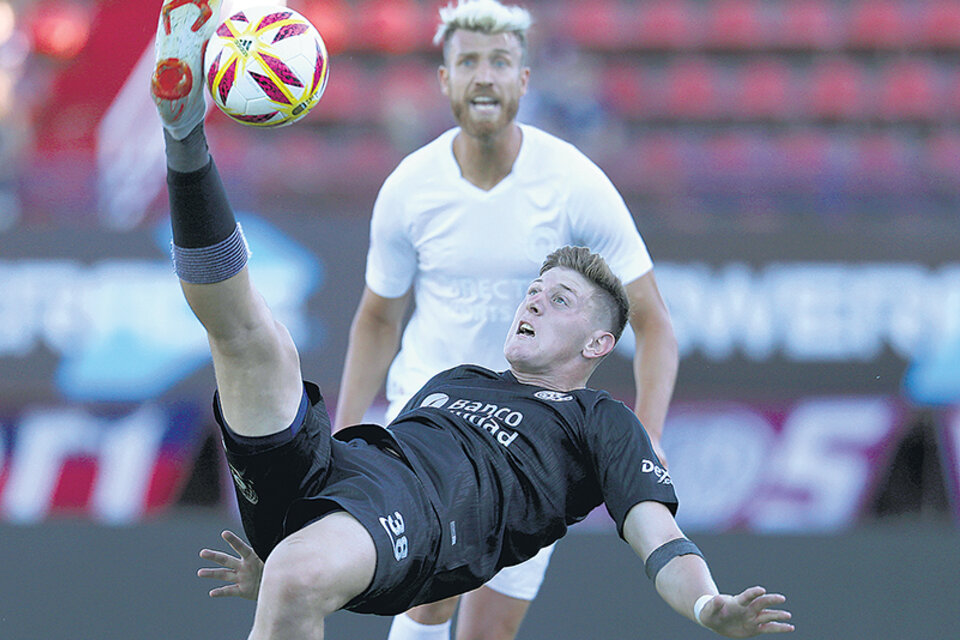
[(559, 284), (474, 52)]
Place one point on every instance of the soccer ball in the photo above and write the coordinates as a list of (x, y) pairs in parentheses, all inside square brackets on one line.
[(266, 66)]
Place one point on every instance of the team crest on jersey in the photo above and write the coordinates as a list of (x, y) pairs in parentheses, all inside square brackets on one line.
[(435, 400), (553, 396)]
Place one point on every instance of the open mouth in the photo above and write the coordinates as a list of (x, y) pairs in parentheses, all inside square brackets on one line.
[(484, 103), (525, 329)]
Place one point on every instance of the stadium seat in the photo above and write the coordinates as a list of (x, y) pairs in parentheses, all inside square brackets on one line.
[(909, 90), (332, 18), (390, 26), (410, 81), (664, 24), (735, 24), (950, 91), (801, 157), (940, 23), (659, 161), (597, 24), (881, 163), (349, 98), (941, 156), (691, 89), (809, 24), (881, 24), (764, 89), (629, 90), (837, 89), (730, 154)]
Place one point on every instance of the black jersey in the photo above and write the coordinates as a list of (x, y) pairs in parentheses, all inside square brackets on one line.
[(510, 466)]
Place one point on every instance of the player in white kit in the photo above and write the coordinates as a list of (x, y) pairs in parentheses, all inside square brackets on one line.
[(461, 226)]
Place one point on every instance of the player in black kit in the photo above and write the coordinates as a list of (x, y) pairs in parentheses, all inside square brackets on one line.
[(480, 470)]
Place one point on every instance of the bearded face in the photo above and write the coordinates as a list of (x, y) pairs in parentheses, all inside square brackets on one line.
[(484, 78)]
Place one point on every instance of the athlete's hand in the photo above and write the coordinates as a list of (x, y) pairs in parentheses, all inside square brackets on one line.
[(243, 572), (747, 614)]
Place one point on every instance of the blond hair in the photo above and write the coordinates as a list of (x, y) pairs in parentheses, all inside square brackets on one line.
[(483, 16)]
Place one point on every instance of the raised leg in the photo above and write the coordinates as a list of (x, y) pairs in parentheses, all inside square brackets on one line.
[(311, 574)]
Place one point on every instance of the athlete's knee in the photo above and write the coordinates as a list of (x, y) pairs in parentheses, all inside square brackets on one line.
[(324, 565), (435, 612), (486, 614), (299, 581)]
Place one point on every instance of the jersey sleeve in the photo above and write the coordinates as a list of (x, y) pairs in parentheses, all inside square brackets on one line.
[(602, 222), (391, 257), (627, 468)]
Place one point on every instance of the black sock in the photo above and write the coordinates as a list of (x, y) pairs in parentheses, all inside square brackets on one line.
[(199, 211)]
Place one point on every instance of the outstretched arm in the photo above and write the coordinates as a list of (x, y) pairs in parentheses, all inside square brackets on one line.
[(655, 360), (685, 581)]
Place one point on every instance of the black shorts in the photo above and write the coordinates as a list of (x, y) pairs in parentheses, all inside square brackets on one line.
[(284, 486)]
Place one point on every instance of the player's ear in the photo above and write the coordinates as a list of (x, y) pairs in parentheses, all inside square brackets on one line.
[(443, 76), (600, 344)]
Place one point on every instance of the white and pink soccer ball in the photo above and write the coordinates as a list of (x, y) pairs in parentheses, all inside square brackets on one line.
[(266, 66)]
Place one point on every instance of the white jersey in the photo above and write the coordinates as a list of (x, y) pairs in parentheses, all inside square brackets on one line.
[(470, 254)]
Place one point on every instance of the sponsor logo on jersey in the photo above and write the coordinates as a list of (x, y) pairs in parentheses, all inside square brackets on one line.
[(648, 466), (244, 486), (489, 417), (553, 396), (435, 400)]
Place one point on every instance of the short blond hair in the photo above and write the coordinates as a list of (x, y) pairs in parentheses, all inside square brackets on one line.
[(483, 16)]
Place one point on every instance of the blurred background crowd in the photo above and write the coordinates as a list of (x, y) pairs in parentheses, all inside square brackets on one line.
[(762, 113)]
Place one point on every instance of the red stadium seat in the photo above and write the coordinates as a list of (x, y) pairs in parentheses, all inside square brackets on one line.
[(941, 156), (692, 90), (803, 156), (332, 18), (348, 99), (409, 81), (764, 89), (909, 89), (659, 159), (950, 93), (837, 88), (729, 153), (391, 26), (880, 24), (597, 24), (665, 24), (735, 24), (881, 162), (629, 90), (809, 24), (940, 23)]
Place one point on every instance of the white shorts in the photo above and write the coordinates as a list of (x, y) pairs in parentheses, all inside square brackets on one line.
[(522, 581)]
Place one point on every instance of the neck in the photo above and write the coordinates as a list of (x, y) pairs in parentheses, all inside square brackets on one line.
[(555, 381), (486, 160)]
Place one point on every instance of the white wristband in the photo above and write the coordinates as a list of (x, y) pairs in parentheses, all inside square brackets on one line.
[(699, 605)]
